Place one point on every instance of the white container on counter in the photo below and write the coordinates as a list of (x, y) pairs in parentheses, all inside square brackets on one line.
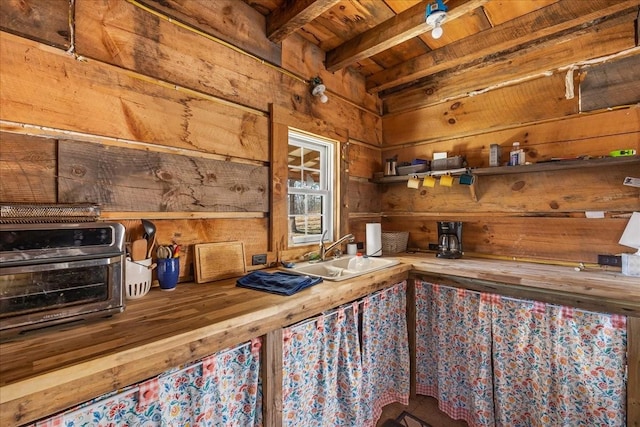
[(374, 239)]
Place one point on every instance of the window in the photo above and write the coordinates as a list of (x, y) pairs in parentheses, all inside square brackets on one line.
[(285, 122), (309, 188)]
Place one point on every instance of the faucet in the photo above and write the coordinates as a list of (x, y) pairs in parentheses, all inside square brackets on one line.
[(325, 250)]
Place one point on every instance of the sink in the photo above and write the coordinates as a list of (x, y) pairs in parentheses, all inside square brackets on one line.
[(336, 269)]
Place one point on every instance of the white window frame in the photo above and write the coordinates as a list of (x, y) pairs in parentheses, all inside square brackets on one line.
[(327, 178)]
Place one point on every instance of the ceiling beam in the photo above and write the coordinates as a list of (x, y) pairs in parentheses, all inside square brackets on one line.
[(293, 15), (525, 63), (536, 25), (402, 27)]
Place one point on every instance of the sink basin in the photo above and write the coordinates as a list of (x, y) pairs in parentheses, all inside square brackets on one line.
[(336, 269)]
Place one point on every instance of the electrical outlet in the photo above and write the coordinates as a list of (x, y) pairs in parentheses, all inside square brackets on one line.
[(614, 260), (259, 259)]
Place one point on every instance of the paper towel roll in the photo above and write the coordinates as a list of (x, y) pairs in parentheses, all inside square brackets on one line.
[(374, 239)]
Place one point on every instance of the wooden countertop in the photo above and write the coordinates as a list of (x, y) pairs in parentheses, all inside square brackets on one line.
[(45, 371), (597, 290)]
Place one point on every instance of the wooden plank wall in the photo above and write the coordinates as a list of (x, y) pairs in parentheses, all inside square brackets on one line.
[(28, 167), (527, 215), (609, 84), (126, 78), (535, 215), (114, 102)]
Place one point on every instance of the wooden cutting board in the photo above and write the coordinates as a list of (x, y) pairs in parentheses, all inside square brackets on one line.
[(215, 261)]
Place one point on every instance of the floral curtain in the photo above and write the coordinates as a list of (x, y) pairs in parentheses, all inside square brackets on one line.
[(453, 352), (531, 364), (322, 371), (329, 379), (558, 366), (222, 390), (385, 352)]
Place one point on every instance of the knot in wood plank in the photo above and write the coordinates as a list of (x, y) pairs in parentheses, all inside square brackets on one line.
[(518, 185), (163, 175), (78, 171)]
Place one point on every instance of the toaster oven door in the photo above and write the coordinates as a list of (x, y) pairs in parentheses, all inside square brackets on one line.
[(59, 290)]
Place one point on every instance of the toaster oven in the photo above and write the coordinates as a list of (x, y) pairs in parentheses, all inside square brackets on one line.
[(54, 273)]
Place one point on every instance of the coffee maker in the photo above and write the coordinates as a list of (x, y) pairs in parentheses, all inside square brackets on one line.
[(449, 239)]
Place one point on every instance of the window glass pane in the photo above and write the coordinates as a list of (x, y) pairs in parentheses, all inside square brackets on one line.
[(312, 179), (295, 156), (304, 226), (296, 226), (304, 179), (297, 204), (295, 178), (311, 159), (314, 205), (314, 224)]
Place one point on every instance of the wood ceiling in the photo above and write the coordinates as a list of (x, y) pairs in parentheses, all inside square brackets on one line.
[(390, 44)]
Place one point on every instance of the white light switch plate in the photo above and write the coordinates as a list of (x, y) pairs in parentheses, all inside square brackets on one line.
[(633, 182)]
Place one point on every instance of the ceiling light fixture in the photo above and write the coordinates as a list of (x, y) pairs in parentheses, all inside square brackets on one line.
[(435, 16), (318, 88)]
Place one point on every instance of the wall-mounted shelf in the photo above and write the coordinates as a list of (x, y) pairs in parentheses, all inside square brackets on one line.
[(557, 165), (548, 166), (535, 167)]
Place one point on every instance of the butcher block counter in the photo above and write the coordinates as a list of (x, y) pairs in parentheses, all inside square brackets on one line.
[(45, 371), (591, 288)]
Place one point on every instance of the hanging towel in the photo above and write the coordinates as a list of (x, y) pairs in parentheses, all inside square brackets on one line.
[(280, 283)]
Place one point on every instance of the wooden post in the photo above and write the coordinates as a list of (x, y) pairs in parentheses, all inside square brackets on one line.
[(272, 379), (344, 206), (633, 371), (411, 332)]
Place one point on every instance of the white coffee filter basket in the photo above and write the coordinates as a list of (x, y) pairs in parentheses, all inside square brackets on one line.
[(137, 278)]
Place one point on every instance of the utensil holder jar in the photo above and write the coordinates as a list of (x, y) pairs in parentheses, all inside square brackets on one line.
[(137, 278), (168, 273)]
